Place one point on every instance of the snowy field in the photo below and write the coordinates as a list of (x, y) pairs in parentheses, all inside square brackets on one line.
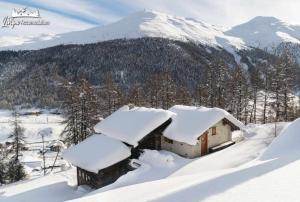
[(164, 176), (33, 125)]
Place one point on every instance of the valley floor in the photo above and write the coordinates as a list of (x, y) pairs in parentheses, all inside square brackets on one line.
[(163, 176)]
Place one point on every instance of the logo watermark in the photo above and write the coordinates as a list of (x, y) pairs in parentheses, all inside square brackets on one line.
[(23, 17)]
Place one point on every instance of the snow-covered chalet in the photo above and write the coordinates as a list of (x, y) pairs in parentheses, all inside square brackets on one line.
[(197, 131), (102, 158)]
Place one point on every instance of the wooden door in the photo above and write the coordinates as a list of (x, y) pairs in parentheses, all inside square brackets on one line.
[(204, 144)]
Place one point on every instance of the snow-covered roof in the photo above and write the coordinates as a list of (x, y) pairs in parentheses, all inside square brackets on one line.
[(57, 143), (191, 122), (97, 152), (130, 125)]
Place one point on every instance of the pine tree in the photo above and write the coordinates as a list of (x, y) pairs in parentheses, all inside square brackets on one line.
[(15, 170), (282, 86), (88, 109), (183, 96), (211, 85), (221, 78), (255, 85), (266, 74), (168, 90), (136, 96), (17, 136), (288, 84), (3, 166), (202, 94), (70, 133), (239, 96), (153, 87), (81, 112), (112, 96)]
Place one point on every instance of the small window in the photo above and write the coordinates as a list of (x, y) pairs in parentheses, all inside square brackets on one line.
[(168, 140), (214, 131)]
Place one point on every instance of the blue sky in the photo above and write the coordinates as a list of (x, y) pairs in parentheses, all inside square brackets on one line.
[(71, 15)]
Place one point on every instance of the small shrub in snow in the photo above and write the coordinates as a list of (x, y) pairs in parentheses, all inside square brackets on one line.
[(15, 171)]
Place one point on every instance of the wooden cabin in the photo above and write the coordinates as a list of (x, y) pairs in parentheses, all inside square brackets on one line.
[(138, 127), (151, 140), (129, 130), (197, 131), (100, 160), (56, 146), (104, 176)]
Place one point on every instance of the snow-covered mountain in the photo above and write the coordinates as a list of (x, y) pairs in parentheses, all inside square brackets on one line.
[(141, 24), (265, 32), (259, 32)]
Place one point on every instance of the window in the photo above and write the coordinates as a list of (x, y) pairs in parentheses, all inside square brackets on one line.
[(168, 140), (214, 131)]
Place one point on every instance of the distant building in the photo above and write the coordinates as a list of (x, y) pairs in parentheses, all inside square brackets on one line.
[(56, 146), (197, 131)]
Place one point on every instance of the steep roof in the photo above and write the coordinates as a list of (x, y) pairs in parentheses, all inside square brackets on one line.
[(130, 125), (97, 152), (191, 122)]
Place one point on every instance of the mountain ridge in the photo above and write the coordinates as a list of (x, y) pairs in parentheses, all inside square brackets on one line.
[(266, 32), (261, 31)]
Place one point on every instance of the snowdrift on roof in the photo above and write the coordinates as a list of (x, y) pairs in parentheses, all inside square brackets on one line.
[(131, 125), (286, 144), (97, 152), (191, 122)]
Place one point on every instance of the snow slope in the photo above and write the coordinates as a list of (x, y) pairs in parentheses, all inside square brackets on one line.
[(257, 138), (155, 165), (267, 181), (266, 32), (54, 187), (194, 172), (141, 24), (274, 176), (164, 176)]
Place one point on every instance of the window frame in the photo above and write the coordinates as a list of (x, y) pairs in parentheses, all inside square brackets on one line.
[(214, 131)]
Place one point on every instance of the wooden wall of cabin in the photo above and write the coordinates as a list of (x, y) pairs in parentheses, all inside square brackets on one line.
[(151, 141), (104, 177)]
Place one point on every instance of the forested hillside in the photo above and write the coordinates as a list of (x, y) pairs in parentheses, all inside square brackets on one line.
[(147, 71)]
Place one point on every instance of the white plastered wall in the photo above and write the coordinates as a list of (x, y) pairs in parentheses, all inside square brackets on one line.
[(191, 151)]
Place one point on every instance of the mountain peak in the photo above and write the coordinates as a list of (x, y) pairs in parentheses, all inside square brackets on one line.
[(145, 13), (265, 19), (265, 31), (145, 23)]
